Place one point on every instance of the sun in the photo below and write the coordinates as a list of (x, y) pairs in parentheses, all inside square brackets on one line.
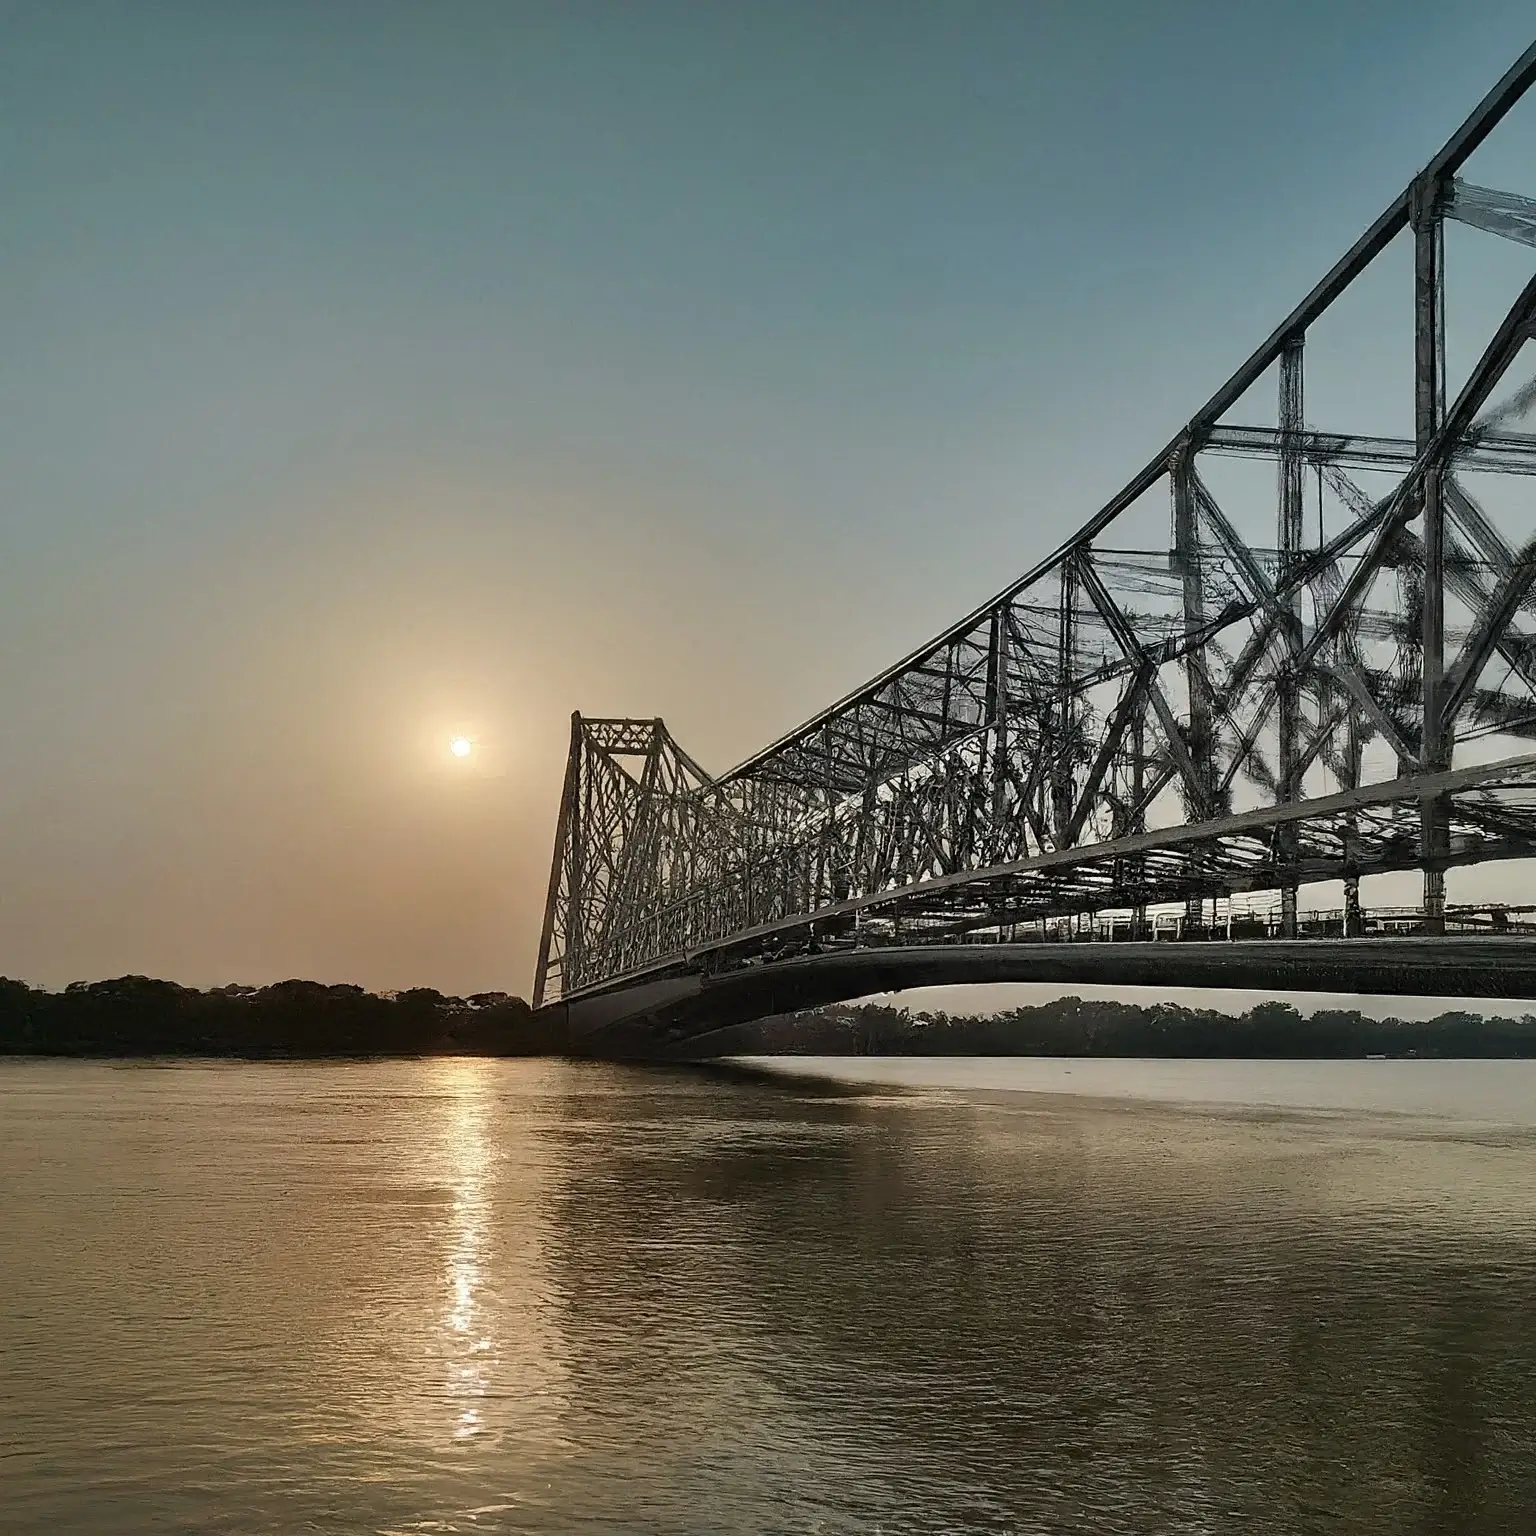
[(461, 746)]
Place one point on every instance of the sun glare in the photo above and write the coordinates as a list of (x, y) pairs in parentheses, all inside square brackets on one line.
[(461, 746)]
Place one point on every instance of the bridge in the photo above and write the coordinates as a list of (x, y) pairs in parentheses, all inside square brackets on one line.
[(1319, 668)]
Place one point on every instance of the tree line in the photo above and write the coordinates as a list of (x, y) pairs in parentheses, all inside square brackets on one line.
[(139, 1016), (1074, 1026)]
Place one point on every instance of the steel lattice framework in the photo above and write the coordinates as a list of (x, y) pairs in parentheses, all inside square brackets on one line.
[(1122, 727)]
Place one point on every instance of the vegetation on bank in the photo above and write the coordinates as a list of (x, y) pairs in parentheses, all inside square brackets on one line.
[(1071, 1026), (137, 1016)]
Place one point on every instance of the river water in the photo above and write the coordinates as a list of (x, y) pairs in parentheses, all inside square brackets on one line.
[(462, 1295)]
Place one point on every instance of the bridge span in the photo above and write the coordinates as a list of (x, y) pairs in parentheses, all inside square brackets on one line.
[(1224, 682), (667, 1010)]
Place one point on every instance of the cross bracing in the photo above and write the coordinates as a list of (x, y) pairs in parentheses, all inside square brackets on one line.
[(1352, 693)]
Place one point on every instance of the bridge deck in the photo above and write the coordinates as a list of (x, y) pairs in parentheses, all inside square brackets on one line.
[(684, 1006)]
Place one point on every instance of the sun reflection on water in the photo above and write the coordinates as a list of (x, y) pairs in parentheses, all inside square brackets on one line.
[(471, 1346), (487, 1357)]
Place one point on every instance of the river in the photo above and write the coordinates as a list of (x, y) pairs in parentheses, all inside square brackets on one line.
[(887, 1296)]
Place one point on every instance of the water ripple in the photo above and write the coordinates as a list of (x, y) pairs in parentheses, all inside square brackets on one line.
[(472, 1296)]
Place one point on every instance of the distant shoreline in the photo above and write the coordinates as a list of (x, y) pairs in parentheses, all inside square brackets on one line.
[(139, 1018), (1075, 1027), (136, 1018)]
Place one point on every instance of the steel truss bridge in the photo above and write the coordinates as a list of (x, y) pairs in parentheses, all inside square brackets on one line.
[(1348, 692)]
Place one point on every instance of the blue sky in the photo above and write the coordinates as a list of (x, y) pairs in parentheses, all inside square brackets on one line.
[(378, 371)]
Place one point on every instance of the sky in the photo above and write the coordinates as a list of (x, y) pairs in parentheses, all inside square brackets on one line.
[(375, 373)]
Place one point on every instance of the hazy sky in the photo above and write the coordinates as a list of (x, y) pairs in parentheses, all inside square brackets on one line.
[(374, 372)]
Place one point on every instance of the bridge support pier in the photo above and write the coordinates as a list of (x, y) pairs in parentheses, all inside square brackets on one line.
[(1354, 926), (1426, 217), (1289, 544), (1434, 901)]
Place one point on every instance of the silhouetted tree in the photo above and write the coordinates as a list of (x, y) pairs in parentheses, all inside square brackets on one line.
[(1072, 1026), (136, 1015)]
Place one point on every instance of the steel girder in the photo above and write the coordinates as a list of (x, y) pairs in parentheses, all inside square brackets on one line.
[(1122, 727)]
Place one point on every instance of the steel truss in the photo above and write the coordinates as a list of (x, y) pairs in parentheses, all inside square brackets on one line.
[(1121, 727)]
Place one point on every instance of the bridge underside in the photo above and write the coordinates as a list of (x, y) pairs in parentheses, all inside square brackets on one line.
[(669, 1010)]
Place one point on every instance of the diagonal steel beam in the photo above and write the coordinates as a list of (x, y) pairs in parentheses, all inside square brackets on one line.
[(1131, 700), (1499, 213), (1490, 630), (1125, 637)]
